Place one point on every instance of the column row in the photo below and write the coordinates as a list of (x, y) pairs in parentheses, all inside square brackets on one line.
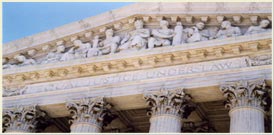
[(248, 100)]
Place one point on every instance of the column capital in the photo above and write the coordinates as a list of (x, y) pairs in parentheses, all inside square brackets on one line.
[(246, 93), (23, 119), (90, 110), (175, 102)]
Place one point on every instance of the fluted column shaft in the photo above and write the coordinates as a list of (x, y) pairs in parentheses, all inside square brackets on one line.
[(88, 115), (85, 127), (247, 101), (246, 119), (165, 123), (167, 110)]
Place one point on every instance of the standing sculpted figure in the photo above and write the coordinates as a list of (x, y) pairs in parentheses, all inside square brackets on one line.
[(178, 37), (228, 31), (23, 61), (258, 29), (110, 44), (55, 56), (81, 49), (136, 39), (94, 51), (162, 36)]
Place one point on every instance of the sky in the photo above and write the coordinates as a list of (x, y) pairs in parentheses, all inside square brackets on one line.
[(21, 19)]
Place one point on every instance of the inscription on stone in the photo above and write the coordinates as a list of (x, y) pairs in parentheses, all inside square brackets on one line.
[(141, 75)]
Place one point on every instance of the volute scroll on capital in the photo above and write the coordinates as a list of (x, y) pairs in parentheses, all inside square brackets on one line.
[(176, 103), (24, 119), (247, 93), (91, 110)]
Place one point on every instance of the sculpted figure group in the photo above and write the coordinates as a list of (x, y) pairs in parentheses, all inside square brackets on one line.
[(139, 39)]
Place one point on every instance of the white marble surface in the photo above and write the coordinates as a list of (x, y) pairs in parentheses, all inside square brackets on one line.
[(246, 120), (165, 124), (85, 128)]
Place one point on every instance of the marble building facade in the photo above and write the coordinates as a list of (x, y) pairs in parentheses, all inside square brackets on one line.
[(146, 67)]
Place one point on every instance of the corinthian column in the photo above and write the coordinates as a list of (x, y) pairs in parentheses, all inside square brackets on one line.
[(167, 110), (89, 115), (247, 101), (23, 119)]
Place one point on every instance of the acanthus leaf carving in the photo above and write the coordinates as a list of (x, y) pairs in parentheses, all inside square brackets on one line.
[(170, 102), (91, 110), (243, 93), (24, 119)]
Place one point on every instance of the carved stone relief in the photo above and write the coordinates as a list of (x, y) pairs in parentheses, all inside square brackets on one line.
[(138, 39), (13, 91), (178, 37), (176, 103), (23, 61), (228, 31), (243, 93), (261, 60), (263, 27), (162, 36), (111, 42), (94, 51), (24, 119), (91, 110), (54, 56)]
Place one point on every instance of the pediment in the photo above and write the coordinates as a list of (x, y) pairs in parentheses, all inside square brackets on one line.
[(40, 61), (149, 12)]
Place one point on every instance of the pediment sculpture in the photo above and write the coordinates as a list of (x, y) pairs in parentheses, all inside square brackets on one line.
[(263, 27), (227, 30), (162, 36), (138, 39)]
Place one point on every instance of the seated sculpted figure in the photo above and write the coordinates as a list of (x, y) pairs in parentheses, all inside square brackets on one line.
[(136, 39), (228, 31), (55, 56), (162, 36), (69, 55), (94, 51), (258, 29), (81, 49), (23, 61), (193, 35), (205, 34), (198, 33), (110, 44)]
